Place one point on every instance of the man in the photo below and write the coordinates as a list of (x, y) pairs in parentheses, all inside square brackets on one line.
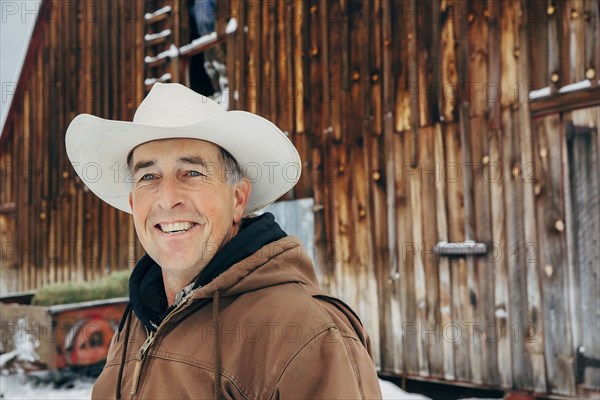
[(222, 305)]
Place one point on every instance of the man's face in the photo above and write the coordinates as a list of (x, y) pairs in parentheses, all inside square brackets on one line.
[(183, 208)]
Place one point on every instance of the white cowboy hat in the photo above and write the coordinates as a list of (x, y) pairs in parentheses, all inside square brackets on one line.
[(98, 148)]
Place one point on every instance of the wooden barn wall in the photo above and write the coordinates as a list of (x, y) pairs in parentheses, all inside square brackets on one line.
[(385, 100), (89, 59)]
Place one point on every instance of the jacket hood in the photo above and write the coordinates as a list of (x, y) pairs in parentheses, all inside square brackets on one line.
[(259, 256)]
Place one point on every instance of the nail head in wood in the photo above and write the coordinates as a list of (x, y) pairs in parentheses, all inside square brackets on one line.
[(550, 10), (590, 73), (485, 160), (555, 77), (549, 270), (574, 14), (516, 170), (559, 225), (376, 175)]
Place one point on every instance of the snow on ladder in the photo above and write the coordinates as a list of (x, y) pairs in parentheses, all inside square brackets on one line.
[(161, 53)]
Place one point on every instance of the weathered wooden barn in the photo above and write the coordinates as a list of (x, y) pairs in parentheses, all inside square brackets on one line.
[(424, 126)]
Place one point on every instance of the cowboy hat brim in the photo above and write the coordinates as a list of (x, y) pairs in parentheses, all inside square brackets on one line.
[(98, 150)]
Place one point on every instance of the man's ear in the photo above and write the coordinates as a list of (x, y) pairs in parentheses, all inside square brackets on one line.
[(241, 194), (131, 201)]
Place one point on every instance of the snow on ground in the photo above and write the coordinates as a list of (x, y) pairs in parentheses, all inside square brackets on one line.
[(18, 386), (393, 392), (21, 387)]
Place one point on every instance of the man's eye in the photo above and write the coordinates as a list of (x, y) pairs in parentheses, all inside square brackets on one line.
[(147, 177), (194, 173)]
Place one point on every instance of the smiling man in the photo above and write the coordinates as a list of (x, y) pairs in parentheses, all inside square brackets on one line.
[(224, 304), (177, 227)]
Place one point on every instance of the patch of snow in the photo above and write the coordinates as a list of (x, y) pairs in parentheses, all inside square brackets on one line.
[(153, 36), (152, 81), (575, 86), (231, 26), (202, 40), (390, 391), (25, 346), (172, 52), (158, 12), (18, 386), (21, 386), (536, 94)]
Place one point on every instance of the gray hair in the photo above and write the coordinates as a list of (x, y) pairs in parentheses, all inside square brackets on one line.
[(233, 172)]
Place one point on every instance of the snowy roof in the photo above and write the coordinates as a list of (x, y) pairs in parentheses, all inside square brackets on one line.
[(13, 50)]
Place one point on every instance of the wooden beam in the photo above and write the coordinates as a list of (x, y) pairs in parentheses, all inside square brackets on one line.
[(561, 102)]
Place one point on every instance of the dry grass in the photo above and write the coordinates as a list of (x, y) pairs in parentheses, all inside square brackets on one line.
[(114, 284)]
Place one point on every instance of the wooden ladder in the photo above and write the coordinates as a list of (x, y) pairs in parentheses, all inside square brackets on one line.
[(161, 42)]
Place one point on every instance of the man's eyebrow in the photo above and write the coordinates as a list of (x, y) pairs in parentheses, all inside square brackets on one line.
[(142, 164), (194, 160)]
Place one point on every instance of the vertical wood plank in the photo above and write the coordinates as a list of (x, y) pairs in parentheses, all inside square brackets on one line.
[(554, 43), (500, 336), (538, 43), (428, 167), (483, 285), (534, 312), (445, 284), (478, 58), (448, 59), (592, 41), (515, 252), (406, 253), (508, 32), (420, 287), (252, 89), (550, 218), (460, 297)]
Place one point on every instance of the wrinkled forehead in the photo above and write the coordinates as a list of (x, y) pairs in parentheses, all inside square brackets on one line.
[(174, 148)]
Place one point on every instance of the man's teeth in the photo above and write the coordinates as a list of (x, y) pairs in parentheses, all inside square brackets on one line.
[(176, 227)]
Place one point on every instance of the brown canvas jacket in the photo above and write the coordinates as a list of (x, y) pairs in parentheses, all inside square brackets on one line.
[(261, 330)]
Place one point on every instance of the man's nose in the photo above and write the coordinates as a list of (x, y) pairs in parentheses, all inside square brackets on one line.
[(170, 195)]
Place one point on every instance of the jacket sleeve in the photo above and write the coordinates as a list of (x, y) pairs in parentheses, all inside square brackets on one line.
[(330, 366)]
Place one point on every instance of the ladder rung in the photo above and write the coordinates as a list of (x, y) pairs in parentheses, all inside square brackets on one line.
[(158, 15), (152, 39)]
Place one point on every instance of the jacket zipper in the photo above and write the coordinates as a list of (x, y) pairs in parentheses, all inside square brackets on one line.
[(143, 351), (141, 356)]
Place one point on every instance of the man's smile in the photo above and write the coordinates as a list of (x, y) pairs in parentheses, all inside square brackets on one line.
[(174, 228)]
